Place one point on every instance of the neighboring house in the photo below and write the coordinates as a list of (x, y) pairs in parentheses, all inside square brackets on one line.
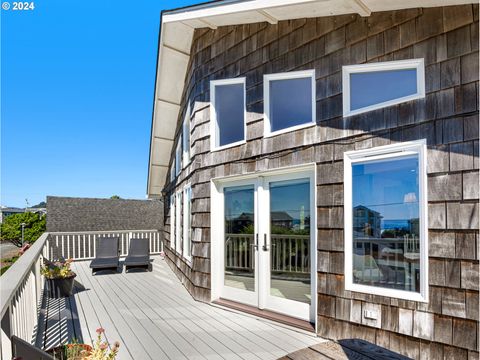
[(66, 214), (7, 211), (311, 108)]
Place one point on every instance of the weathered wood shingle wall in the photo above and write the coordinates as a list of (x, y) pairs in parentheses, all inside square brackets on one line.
[(447, 38)]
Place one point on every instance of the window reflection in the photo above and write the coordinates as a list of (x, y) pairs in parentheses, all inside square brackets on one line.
[(290, 239), (382, 86), (239, 232), (386, 225), (290, 103)]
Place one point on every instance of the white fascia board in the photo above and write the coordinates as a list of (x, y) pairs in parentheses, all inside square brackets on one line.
[(230, 9)]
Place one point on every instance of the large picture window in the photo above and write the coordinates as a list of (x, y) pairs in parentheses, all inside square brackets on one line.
[(385, 221), (227, 127), (372, 86), (289, 101)]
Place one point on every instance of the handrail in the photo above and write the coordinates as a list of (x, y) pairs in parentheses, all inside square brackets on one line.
[(14, 276)]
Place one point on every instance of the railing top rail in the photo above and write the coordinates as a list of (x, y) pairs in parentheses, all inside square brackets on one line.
[(99, 232), (14, 276)]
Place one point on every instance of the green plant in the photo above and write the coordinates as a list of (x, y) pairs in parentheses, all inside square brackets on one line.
[(11, 228), (6, 263), (57, 269)]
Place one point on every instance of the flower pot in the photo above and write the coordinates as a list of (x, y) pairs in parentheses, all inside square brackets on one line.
[(62, 352), (60, 287)]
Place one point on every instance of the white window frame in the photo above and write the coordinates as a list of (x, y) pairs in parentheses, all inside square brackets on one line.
[(395, 151), (417, 64), (266, 93), (178, 157), (186, 136), (172, 220), (214, 136), (178, 227), (187, 223)]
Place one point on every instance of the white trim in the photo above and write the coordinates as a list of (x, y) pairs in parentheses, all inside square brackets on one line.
[(384, 152), (213, 114), (187, 223), (186, 135), (266, 94), (417, 64)]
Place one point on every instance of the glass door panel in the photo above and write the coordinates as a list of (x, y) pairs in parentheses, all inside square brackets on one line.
[(290, 240), (239, 251)]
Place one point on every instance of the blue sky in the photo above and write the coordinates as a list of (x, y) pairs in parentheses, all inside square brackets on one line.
[(77, 81)]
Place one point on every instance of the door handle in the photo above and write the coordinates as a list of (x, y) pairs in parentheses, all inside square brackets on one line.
[(265, 248)]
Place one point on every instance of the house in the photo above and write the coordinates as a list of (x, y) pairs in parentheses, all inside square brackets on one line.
[(6, 211), (312, 108)]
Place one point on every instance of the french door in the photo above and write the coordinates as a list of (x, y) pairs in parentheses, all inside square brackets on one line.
[(265, 227)]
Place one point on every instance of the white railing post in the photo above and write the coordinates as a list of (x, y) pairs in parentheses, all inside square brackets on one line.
[(6, 332)]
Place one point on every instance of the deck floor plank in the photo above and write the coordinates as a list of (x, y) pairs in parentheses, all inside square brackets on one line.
[(183, 312), (154, 317), (167, 314)]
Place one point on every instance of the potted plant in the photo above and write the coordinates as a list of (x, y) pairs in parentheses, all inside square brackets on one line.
[(60, 278), (77, 351)]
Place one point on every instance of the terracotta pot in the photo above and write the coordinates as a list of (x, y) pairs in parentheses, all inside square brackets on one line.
[(61, 287)]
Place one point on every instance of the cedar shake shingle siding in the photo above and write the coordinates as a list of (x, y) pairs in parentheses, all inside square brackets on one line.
[(447, 38), (88, 214)]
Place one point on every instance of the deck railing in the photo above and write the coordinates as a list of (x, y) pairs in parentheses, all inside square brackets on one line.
[(289, 253), (81, 245), (22, 284)]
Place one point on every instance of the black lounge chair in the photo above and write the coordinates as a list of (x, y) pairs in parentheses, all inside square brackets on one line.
[(23, 350), (138, 254), (106, 254)]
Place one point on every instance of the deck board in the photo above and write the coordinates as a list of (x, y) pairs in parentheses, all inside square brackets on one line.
[(153, 316)]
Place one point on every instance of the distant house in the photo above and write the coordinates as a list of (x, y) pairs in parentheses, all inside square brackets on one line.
[(7, 211), (367, 221), (372, 100)]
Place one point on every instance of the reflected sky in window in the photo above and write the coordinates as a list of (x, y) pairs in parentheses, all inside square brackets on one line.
[(290, 103), (372, 88), (229, 107)]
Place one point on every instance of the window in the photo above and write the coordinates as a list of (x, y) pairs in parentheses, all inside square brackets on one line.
[(178, 222), (186, 137), (385, 221), (187, 223), (372, 86), (178, 157), (289, 101), (227, 127), (172, 221), (172, 170)]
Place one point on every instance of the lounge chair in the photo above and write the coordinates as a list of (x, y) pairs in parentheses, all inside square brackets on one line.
[(23, 350), (138, 254), (106, 254)]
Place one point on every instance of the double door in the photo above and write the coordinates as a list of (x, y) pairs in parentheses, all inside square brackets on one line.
[(266, 249)]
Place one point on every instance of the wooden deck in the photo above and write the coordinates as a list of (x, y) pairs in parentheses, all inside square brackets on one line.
[(154, 317)]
